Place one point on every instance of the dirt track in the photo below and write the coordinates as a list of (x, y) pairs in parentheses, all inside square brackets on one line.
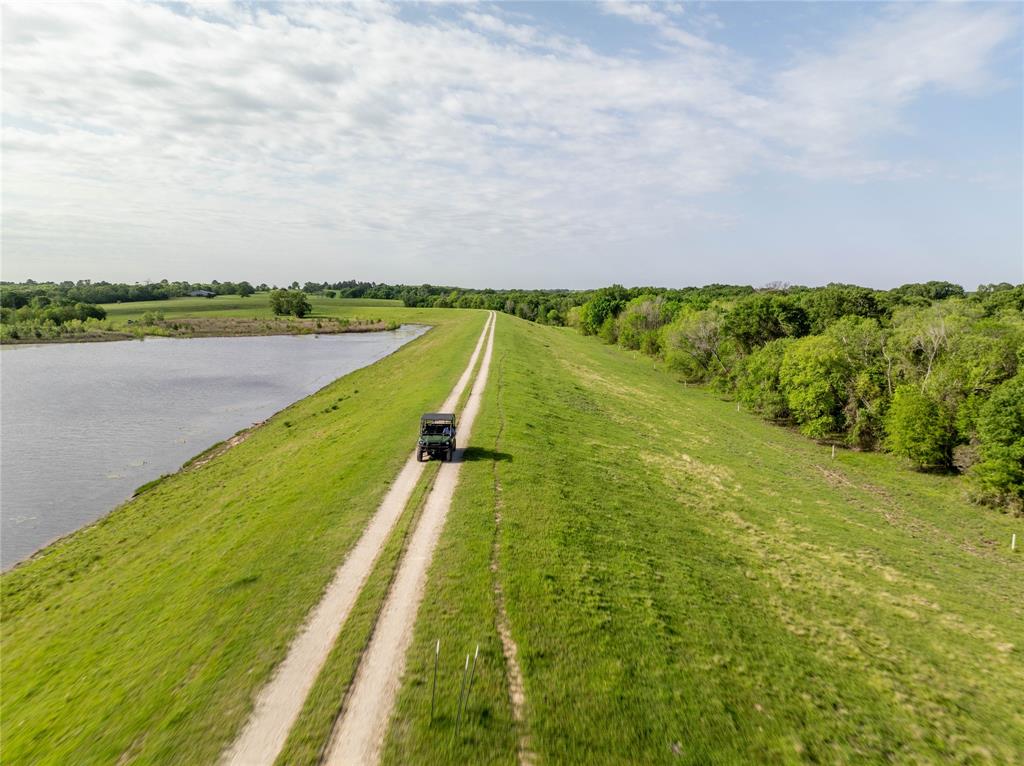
[(280, 701), (359, 734)]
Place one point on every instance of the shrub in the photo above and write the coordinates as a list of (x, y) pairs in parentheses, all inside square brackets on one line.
[(813, 374), (609, 331), (758, 384), (643, 315), (695, 346), (292, 302), (919, 429), (999, 474)]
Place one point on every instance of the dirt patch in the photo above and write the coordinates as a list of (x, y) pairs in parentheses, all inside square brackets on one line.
[(834, 478)]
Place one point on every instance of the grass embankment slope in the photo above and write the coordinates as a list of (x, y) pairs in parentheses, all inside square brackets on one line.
[(688, 584), (144, 637)]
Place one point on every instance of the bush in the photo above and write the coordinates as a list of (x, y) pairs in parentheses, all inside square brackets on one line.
[(643, 316), (813, 374), (696, 347), (609, 331), (758, 384), (294, 302), (999, 474), (920, 429)]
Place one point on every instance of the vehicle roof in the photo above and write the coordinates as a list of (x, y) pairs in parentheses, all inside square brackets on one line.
[(447, 416)]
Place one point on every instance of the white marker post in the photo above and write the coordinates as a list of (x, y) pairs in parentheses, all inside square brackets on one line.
[(833, 452), (1013, 542)]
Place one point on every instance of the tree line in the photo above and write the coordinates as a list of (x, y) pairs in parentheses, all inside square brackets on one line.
[(928, 371), (16, 295)]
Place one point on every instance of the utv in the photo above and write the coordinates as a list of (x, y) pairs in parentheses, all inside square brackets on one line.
[(437, 436)]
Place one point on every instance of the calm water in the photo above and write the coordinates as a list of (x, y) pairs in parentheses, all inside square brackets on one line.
[(83, 425)]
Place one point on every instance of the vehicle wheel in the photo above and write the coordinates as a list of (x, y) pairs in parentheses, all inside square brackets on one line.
[(419, 456), (448, 455)]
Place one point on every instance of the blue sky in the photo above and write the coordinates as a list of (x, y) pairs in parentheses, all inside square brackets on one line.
[(514, 144)]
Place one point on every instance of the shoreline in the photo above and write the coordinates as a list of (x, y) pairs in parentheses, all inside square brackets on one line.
[(219, 327)]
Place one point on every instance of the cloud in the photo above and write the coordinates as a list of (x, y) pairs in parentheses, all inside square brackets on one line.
[(344, 131), (827, 103), (661, 20)]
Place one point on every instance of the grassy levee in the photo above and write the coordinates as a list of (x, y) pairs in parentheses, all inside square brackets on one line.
[(688, 584), (144, 637), (257, 305)]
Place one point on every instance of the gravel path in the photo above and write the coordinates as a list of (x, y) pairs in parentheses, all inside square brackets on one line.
[(280, 701), (358, 736)]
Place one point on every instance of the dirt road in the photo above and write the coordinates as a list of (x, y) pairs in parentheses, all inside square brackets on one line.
[(281, 700), (359, 734)]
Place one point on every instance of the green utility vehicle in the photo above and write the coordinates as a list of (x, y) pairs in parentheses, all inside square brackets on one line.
[(437, 436)]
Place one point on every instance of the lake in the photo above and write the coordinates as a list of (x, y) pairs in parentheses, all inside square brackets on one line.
[(82, 425)]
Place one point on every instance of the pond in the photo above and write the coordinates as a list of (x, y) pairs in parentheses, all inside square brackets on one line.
[(82, 425)]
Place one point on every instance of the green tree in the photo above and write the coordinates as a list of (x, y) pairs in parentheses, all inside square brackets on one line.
[(609, 331), (868, 385), (760, 318), (920, 429), (999, 475), (832, 303), (641, 319), (696, 347), (294, 302), (814, 375), (758, 384)]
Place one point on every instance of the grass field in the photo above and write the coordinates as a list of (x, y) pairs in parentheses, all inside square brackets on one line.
[(687, 584), (257, 305), (142, 638)]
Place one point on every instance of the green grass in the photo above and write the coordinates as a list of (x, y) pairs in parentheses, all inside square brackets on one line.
[(688, 584), (144, 637), (257, 305)]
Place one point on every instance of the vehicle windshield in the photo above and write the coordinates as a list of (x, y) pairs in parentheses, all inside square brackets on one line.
[(436, 428)]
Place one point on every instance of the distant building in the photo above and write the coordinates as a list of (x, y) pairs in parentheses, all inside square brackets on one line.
[(202, 294)]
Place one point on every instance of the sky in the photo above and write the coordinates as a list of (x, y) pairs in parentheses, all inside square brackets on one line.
[(523, 145)]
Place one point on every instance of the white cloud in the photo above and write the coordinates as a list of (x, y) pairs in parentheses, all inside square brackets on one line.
[(830, 101), (346, 131), (660, 18)]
